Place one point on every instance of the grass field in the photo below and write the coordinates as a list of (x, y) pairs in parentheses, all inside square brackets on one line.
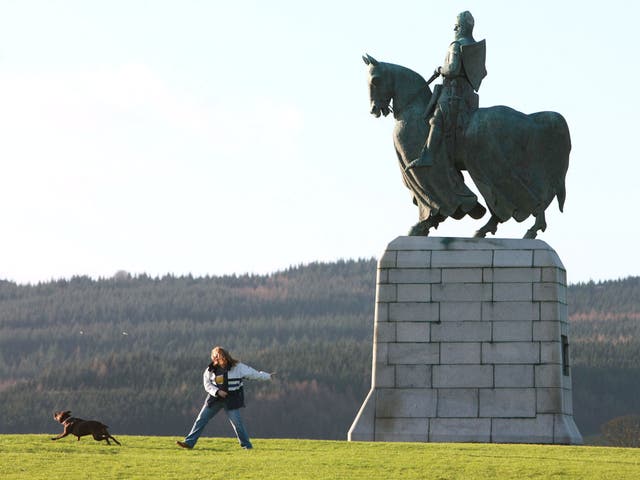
[(37, 457)]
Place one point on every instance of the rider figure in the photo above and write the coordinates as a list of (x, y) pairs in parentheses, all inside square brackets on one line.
[(455, 99)]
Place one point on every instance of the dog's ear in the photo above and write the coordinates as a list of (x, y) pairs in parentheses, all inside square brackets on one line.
[(68, 412)]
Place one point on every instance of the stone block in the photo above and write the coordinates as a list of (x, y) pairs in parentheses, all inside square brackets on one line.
[(414, 312), (414, 353), (512, 331), (546, 331), (460, 430), (460, 353), (411, 292), (508, 402), (462, 259), (385, 332), (387, 260), (414, 275), (513, 376), (413, 332), (462, 376), (547, 258), (461, 292), (381, 313), (511, 275), (462, 275), (554, 312), (454, 244), (548, 376), (549, 292), (510, 311), (551, 353), (457, 402), (386, 293), (554, 275), (522, 430), (384, 376), (513, 258), (411, 243), (460, 311), (413, 376), (511, 353), (401, 429), (512, 292), (461, 332), (380, 353), (549, 400), (382, 276), (405, 402), (414, 259)]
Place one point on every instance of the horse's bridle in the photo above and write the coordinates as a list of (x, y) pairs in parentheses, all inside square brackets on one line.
[(411, 99)]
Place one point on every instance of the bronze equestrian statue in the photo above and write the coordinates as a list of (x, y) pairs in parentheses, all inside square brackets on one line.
[(518, 162)]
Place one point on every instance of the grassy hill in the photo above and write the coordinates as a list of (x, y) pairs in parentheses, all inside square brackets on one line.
[(36, 457)]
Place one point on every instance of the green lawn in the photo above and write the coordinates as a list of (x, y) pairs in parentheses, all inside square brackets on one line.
[(35, 457)]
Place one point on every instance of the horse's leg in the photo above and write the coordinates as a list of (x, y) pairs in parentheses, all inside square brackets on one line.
[(490, 227), (540, 224), (422, 228)]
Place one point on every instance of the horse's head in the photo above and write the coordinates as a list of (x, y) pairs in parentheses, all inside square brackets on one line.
[(380, 87)]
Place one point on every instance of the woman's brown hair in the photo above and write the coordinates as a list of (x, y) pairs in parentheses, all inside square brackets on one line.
[(225, 359)]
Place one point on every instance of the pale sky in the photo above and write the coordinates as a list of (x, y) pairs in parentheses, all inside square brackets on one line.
[(214, 137)]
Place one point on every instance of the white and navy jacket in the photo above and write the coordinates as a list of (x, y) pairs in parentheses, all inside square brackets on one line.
[(215, 379)]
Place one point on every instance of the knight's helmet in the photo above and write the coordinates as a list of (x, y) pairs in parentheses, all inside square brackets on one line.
[(466, 22)]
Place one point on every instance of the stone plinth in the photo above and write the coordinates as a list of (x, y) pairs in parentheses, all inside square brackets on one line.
[(471, 344)]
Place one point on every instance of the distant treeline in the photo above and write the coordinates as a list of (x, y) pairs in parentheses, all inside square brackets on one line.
[(130, 351)]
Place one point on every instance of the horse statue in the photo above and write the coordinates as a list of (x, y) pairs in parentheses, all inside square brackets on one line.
[(517, 161)]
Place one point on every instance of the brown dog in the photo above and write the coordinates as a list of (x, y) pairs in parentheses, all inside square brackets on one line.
[(80, 428)]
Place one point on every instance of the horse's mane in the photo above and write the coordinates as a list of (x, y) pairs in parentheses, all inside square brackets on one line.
[(409, 86), (406, 73)]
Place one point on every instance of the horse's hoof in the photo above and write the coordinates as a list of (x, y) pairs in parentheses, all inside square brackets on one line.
[(419, 230), (531, 234), (479, 234), (477, 211)]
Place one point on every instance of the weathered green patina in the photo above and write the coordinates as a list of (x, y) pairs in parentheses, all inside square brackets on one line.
[(517, 161)]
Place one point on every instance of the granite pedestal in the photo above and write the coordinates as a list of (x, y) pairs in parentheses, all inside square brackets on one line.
[(471, 344)]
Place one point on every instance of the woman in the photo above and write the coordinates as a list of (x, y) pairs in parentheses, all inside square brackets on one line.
[(223, 382)]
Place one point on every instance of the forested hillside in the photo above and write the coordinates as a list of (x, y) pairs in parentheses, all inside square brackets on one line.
[(130, 351), (605, 331)]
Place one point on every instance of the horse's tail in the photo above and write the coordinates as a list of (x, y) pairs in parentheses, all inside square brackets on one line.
[(561, 193), (562, 137)]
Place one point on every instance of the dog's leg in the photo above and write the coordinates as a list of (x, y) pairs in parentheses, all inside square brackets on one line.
[(63, 434), (114, 439)]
